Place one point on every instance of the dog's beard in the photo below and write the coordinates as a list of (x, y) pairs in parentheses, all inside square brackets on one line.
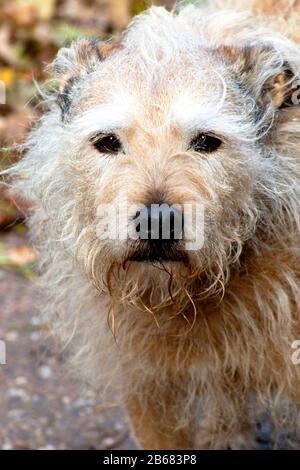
[(163, 289), (122, 276)]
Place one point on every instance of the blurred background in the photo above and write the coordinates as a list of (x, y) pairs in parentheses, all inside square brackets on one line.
[(41, 407)]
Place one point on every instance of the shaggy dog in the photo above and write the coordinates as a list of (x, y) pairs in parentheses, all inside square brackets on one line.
[(192, 108)]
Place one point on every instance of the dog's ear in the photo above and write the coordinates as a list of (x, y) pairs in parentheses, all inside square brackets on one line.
[(263, 71), (73, 62)]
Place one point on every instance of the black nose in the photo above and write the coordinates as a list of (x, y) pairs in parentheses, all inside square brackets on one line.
[(159, 222)]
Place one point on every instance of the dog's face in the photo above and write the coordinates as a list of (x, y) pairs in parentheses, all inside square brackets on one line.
[(173, 138)]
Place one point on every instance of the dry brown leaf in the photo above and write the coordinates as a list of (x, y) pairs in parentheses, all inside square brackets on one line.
[(7, 75), (119, 12), (8, 213), (20, 256), (27, 12)]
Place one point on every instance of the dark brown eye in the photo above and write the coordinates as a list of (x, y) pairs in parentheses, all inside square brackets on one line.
[(205, 143), (108, 143)]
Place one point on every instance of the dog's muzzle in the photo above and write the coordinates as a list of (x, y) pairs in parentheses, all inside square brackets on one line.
[(159, 228)]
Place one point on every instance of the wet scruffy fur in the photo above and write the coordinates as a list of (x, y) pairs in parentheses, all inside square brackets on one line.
[(196, 349)]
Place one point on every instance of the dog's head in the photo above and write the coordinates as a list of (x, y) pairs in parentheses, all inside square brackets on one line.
[(171, 150)]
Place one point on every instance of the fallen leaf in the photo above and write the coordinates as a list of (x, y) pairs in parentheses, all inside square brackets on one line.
[(8, 213), (138, 6), (27, 12), (7, 75), (119, 13), (20, 256), (45, 8)]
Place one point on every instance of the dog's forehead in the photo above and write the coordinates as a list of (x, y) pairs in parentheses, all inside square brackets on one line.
[(183, 92)]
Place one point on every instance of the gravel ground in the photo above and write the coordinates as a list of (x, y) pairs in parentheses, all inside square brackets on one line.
[(40, 406)]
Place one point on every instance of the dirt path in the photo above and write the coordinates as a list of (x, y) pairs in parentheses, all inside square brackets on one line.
[(40, 406)]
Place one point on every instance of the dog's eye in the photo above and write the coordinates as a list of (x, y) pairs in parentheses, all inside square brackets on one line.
[(108, 143), (205, 143)]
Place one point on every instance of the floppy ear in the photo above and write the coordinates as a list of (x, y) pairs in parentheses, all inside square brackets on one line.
[(74, 62), (263, 72)]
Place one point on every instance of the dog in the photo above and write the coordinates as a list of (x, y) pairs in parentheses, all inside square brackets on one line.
[(191, 120)]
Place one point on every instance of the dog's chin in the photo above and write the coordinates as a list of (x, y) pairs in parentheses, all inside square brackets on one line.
[(158, 252)]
